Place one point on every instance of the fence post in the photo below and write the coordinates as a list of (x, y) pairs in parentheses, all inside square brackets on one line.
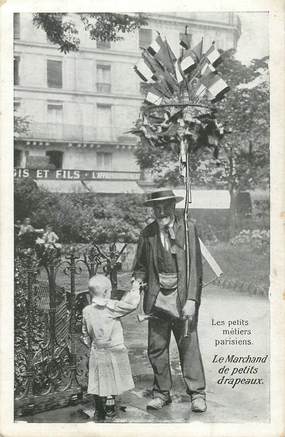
[(31, 273), (73, 383), (52, 305)]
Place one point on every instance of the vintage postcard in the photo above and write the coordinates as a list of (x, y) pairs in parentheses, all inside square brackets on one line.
[(142, 232)]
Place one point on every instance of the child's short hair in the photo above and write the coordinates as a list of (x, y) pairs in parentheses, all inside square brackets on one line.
[(100, 283)]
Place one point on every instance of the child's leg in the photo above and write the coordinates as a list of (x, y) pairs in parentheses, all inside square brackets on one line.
[(110, 408), (99, 414)]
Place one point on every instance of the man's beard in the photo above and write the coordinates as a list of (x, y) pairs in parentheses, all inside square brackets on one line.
[(164, 221)]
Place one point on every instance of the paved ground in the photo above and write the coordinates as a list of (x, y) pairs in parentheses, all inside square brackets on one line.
[(225, 404)]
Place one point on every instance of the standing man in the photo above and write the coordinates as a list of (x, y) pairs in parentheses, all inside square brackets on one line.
[(161, 263)]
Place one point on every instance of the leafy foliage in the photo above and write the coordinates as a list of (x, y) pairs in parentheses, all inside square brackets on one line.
[(81, 218), (21, 125), (62, 30), (243, 159), (257, 239)]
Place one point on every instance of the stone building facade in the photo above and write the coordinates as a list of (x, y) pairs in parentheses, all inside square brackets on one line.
[(80, 105)]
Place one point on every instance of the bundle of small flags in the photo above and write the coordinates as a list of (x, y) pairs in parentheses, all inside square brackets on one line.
[(179, 94), (170, 77)]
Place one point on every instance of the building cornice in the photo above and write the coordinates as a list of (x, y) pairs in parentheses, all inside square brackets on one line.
[(62, 92), (174, 19), (82, 49)]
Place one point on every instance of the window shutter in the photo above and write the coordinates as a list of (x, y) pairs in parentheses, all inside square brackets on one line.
[(104, 78), (103, 44), (54, 74), (16, 70), (145, 38), (16, 22)]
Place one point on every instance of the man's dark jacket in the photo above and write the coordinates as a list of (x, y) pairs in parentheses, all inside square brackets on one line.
[(146, 264)]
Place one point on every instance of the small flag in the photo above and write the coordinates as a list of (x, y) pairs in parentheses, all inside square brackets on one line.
[(160, 72), (191, 57), (162, 52), (216, 86), (198, 50), (213, 55), (154, 98), (207, 68), (188, 61), (185, 41), (154, 48), (179, 76), (143, 71), (172, 57), (162, 88), (210, 260)]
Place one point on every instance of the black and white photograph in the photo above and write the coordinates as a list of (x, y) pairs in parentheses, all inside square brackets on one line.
[(141, 212)]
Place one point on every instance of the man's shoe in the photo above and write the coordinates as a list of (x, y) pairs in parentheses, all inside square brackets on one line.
[(158, 403), (199, 405), (99, 415)]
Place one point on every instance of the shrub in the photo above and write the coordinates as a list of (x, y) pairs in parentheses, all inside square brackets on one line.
[(79, 218), (257, 239)]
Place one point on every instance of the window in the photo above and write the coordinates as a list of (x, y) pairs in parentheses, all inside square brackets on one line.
[(103, 79), (16, 70), (54, 74), (104, 161), (17, 105), (16, 25), (18, 154), (145, 38), (54, 112), (103, 44), (104, 122), (55, 120), (55, 158)]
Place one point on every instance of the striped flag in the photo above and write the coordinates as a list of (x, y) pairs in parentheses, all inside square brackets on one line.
[(191, 57), (160, 72), (213, 55), (179, 76), (185, 41), (217, 88), (144, 72), (188, 61), (163, 54), (214, 84), (198, 50), (207, 68), (154, 98), (162, 88)]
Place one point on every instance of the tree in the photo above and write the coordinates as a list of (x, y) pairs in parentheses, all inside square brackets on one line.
[(244, 153), (21, 125), (243, 159), (62, 30)]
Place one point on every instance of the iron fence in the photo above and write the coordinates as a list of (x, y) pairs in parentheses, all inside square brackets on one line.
[(48, 365)]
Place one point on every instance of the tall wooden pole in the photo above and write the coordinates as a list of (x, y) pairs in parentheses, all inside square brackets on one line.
[(186, 222)]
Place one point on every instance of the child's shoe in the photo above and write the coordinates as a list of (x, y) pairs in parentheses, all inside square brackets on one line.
[(110, 407)]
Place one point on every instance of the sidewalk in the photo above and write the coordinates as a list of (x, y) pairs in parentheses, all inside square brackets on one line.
[(244, 403)]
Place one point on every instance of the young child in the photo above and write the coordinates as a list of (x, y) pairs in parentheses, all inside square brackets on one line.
[(109, 368)]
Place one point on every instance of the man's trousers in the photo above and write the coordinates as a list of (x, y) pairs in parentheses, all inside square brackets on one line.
[(159, 333)]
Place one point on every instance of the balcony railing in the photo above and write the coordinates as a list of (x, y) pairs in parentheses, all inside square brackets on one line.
[(76, 133)]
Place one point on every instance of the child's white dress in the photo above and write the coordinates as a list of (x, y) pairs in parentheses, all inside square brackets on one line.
[(109, 366)]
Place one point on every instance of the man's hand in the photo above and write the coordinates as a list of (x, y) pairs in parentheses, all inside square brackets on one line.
[(136, 286), (188, 310)]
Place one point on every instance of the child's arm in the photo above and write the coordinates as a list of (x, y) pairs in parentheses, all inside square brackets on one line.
[(128, 303), (84, 338)]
